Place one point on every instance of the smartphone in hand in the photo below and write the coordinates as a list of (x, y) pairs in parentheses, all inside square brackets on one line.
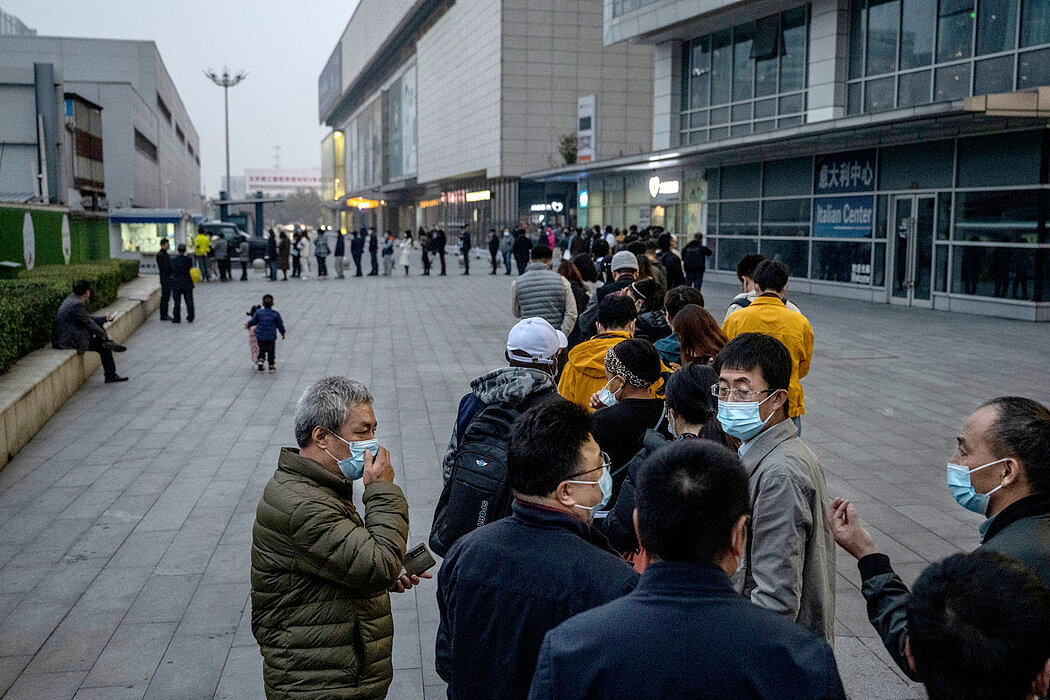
[(418, 559)]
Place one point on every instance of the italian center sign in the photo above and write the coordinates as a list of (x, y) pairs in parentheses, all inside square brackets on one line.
[(839, 210)]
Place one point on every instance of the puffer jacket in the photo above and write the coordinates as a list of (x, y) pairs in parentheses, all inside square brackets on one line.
[(584, 371), (505, 385), (320, 606)]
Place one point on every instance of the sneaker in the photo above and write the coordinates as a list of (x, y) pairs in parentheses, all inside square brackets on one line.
[(115, 378), (259, 367), (273, 368)]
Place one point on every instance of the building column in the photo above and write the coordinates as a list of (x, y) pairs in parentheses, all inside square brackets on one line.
[(828, 60), (667, 93)]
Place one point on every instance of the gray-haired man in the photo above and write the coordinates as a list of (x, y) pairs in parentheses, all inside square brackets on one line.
[(320, 574)]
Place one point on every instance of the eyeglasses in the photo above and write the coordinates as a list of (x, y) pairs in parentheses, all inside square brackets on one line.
[(724, 393), (606, 463)]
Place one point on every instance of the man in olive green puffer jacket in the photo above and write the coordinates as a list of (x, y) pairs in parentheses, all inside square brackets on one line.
[(320, 575)]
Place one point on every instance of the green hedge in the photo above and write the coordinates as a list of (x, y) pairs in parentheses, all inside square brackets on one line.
[(29, 303)]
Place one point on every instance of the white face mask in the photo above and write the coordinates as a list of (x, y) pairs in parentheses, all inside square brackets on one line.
[(608, 397)]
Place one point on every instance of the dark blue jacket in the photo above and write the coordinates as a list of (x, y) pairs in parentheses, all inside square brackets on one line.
[(268, 322), (684, 633), (180, 273), (340, 246), (504, 585)]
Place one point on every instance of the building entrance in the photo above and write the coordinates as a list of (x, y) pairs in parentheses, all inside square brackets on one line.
[(911, 248)]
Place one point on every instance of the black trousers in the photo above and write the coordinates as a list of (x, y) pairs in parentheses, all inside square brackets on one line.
[(178, 295), (244, 269), (165, 297), (108, 365), (322, 266), (268, 350), (357, 263), (375, 262), (466, 262), (441, 254), (224, 269)]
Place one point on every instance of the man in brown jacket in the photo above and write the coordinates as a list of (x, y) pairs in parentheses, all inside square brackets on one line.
[(320, 574)]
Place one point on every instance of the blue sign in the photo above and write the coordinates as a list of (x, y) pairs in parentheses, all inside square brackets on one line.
[(843, 217), (844, 173), (584, 199)]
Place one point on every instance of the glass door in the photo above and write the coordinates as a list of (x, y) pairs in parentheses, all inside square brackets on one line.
[(912, 249)]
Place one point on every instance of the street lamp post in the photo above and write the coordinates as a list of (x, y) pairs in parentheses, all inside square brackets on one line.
[(226, 81)]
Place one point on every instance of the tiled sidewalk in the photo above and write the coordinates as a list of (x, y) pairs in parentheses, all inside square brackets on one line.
[(125, 524)]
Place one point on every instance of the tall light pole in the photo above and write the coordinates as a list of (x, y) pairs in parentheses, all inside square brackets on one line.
[(226, 81)]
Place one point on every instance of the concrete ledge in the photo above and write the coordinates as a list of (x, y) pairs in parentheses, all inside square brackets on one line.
[(42, 381)]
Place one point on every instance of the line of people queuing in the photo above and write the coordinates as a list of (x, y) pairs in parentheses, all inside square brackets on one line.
[(635, 514)]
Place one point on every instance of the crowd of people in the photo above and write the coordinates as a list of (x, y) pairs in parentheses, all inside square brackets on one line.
[(630, 509)]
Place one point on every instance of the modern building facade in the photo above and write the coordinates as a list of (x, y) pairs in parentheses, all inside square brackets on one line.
[(105, 119), (889, 150), (12, 26), (437, 108)]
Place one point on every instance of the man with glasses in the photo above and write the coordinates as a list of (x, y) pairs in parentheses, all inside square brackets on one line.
[(503, 586), (789, 563)]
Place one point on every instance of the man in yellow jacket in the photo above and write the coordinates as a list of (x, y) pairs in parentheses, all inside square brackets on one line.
[(584, 372), (768, 313), (202, 246)]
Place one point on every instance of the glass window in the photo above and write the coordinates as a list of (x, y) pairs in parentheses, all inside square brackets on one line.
[(1035, 22), (766, 108), (741, 181), (951, 82), (721, 66), (878, 95), (740, 130), (793, 31), (1004, 273), (792, 104), (765, 125), (996, 26), (916, 166), (719, 116), (940, 269), (913, 89), (858, 29), (741, 112), (785, 217), (738, 218), (1000, 160), (713, 179), (854, 103), (842, 261), (788, 177), (954, 30), (881, 204), (1033, 69), (728, 251), (743, 64), (700, 74), (698, 119), (883, 22), (878, 271), (920, 19), (1007, 217), (993, 75), (794, 254), (944, 216), (789, 121), (719, 133)]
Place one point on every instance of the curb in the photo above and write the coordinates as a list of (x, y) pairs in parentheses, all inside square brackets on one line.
[(41, 382)]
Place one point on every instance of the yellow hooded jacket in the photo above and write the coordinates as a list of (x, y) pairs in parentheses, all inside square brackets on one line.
[(584, 372)]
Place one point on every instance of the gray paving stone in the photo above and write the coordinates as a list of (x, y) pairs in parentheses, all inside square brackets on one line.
[(163, 598), (10, 668), (76, 643), (33, 686), (241, 677), (191, 667), (132, 655)]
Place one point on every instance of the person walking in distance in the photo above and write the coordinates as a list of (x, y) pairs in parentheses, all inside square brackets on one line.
[(164, 272), (439, 244), (407, 246), (493, 250), (181, 285), (340, 253), (357, 250), (271, 255), (373, 252), (267, 323), (244, 252)]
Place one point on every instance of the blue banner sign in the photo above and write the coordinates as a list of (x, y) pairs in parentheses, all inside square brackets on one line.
[(844, 173), (843, 217)]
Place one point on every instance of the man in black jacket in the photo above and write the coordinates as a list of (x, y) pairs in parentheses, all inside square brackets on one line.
[(694, 261), (439, 247), (357, 249), (504, 585), (76, 329), (164, 272), (685, 631), (670, 260), (521, 250), (182, 285), (373, 252), (464, 248), (1001, 469)]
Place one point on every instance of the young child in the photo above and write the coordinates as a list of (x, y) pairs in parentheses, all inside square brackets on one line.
[(253, 342), (267, 322)]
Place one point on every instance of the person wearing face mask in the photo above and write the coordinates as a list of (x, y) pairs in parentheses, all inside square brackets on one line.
[(1001, 470), (684, 631), (624, 409), (789, 563), (504, 585), (584, 371), (320, 573)]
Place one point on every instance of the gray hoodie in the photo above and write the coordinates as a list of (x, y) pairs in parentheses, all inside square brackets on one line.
[(504, 385)]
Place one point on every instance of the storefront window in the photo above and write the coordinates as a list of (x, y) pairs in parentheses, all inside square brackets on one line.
[(145, 237), (786, 217), (1000, 161), (842, 261), (1000, 272), (738, 219), (730, 250), (794, 254), (1007, 217), (884, 18)]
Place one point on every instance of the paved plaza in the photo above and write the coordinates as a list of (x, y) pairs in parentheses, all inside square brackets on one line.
[(125, 525)]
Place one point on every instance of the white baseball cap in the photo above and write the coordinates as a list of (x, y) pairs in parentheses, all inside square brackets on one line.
[(536, 341)]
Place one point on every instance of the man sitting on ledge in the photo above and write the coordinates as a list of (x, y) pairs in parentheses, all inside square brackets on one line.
[(75, 329)]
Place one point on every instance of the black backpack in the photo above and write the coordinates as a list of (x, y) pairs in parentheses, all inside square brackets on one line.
[(477, 491), (693, 258)]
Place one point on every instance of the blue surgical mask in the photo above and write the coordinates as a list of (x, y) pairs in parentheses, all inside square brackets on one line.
[(353, 467), (962, 489), (741, 419), (605, 483), (608, 397)]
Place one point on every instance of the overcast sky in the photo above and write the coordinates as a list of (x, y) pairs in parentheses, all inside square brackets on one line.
[(283, 44)]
